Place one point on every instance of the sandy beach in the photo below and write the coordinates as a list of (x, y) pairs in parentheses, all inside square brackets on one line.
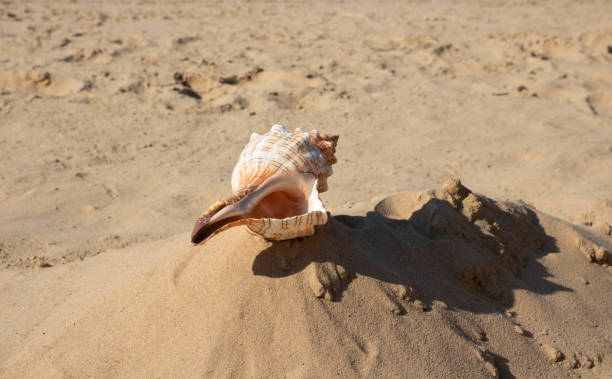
[(470, 208)]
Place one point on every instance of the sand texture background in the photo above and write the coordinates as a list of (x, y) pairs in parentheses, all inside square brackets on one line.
[(120, 122)]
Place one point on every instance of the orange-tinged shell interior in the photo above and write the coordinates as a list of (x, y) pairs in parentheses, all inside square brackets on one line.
[(281, 197)]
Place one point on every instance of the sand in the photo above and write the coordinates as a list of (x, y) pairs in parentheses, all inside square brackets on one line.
[(121, 122)]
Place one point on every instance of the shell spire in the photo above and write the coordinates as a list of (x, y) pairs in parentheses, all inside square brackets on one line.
[(275, 186)]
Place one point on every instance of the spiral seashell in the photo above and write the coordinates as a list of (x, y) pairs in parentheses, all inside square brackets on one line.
[(276, 185)]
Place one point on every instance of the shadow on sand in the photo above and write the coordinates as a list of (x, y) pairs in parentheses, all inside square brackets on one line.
[(466, 251), (447, 246)]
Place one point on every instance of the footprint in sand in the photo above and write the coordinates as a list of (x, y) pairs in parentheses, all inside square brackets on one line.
[(39, 83), (596, 42), (600, 103)]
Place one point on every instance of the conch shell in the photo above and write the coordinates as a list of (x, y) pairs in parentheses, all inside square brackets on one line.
[(276, 185)]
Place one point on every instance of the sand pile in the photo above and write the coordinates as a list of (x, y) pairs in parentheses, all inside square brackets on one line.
[(443, 283)]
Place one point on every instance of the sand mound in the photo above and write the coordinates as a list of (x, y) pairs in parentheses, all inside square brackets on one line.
[(444, 283)]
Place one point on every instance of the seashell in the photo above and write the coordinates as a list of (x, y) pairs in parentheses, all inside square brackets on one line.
[(276, 185)]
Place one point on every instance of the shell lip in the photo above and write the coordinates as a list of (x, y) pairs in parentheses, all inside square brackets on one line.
[(203, 229), (234, 213)]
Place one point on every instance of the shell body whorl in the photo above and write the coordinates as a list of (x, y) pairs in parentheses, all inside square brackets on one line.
[(279, 151)]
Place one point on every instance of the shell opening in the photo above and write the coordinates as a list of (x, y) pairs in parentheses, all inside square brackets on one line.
[(281, 196)]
